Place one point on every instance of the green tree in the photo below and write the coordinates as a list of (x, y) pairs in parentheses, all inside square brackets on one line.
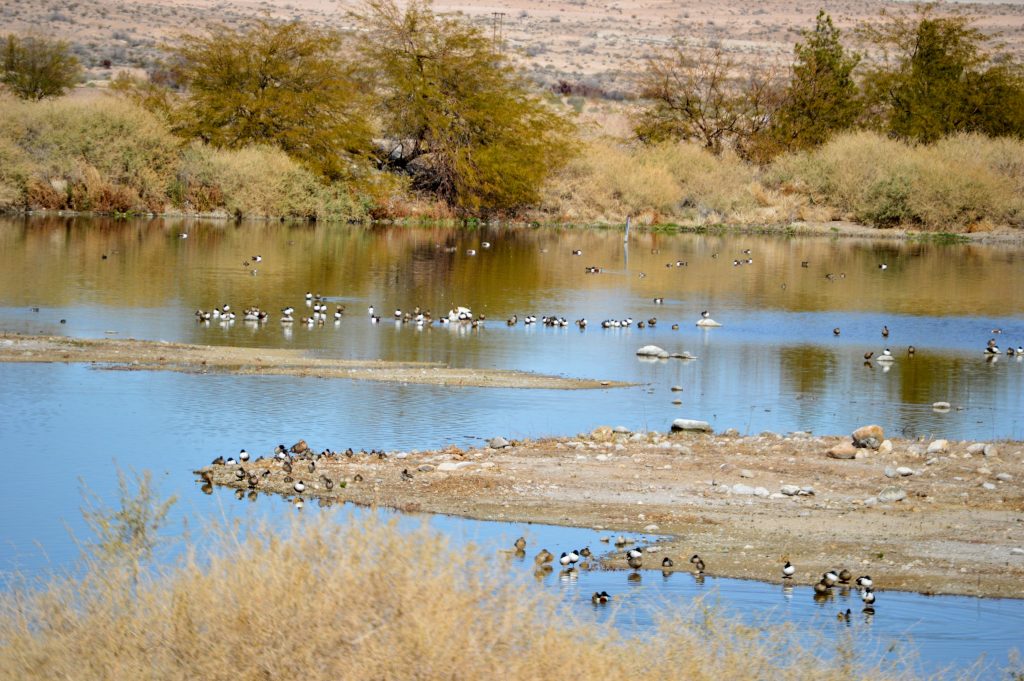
[(822, 97), (283, 84), (34, 68), (703, 96), (936, 79), (456, 117)]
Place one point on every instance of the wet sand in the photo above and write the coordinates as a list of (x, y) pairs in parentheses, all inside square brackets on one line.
[(138, 355), (950, 535)]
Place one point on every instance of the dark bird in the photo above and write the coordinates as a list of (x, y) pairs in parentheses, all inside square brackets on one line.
[(885, 332), (698, 564), (666, 562), (835, 331)]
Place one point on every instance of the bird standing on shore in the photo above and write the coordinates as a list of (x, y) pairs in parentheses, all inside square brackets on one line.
[(698, 563), (788, 570)]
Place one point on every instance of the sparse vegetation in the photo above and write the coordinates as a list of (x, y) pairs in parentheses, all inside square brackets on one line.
[(356, 601)]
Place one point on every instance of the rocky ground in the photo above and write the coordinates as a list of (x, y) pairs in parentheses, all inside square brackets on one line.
[(138, 355), (935, 517)]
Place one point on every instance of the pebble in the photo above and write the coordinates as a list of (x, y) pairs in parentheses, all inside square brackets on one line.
[(790, 490), (621, 429), (637, 437), (905, 471), (868, 436), (941, 406), (984, 470), (871, 501), (931, 461), (990, 450), (401, 455), (1017, 552), (691, 425), (843, 450), (602, 457), (651, 351), (987, 485), (807, 491), (745, 490), (891, 494), (890, 472), (651, 528), (453, 465), (937, 447), (498, 443), (1004, 477), (885, 448), (744, 473), (977, 448), (425, 468), (761, 492)]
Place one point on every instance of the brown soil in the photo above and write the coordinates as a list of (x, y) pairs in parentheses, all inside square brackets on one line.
[(950, 535), (138, 355)]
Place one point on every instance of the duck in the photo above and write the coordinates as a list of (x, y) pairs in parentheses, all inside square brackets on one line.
[(835, 331), (585, 552), (830, 578), (520, 543), (681, 263), (635, 562), (868, 355), (299, 486), (992, 349), (219, 461), (666, 562), (788, 570), (865, 582), (567, 559), (883, 266), (257, 258), (634, 553), (911, 350), (470, 251), (698, 563), (600, 597), (885, 332), (485, 244), (309, 295), (868, 597), (406, 475), (845, 576), (659, 301), (886, 356), (243, 455), (543, 557), (577, 251), (843, 616), (820, 588), (705, 315)]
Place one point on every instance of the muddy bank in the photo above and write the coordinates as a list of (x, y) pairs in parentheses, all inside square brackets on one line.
[(137, 355), (745, 504)]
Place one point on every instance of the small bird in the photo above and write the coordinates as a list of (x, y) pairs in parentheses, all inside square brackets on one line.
[(788, 570), (830, 578), (697, 563), (659, 301), (835, 331), (868, 597), (885, 332), (843, 616), (543, 557), (865, 582), (243, 455), (869, 354), (886, 356), (299, 486), (635, 562), (520, 543), (911, 350), (634, 553), (705, 314), (666, 562), (845, 576), (600, 597), (883, 266)]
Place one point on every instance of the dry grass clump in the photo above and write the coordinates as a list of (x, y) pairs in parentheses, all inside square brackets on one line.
[(954, 184), (666, 182), (357, 601), (109, 155)]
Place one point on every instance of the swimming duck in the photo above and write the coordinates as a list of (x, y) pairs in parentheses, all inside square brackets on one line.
[(585, 552), (659, 301), (705, 315), (697, 563), (257, 258), (868, 597), (869, 354), (883, 266), (635, 562), (471, 251), (788, 570), (843, 616), (885, 332), (600, 597), (485, 244), (309, 295), (681, 263), (911, 350), (820, 588), (543, 557), (845, 576), (520, 543), (992, 349), (835, 331), (666, 562)]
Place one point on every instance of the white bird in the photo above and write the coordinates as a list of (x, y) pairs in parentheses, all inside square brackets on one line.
[(634, 553), (299, 486), (788, 570), (865, 582), (243, 455), (886, 356)]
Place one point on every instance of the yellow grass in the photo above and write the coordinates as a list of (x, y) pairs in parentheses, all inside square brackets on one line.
[(359, 601)]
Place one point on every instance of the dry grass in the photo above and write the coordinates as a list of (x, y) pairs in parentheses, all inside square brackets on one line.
[(364, 600), (108, 155), (958, 184)]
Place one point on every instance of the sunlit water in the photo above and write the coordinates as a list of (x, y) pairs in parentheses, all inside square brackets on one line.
[(774, 365)]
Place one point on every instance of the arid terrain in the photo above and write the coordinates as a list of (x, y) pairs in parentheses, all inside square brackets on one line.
[(598, 44), (745, 504)]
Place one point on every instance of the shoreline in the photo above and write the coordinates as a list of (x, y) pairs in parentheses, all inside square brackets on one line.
[(1002, 236), (732, 499), (140, 355)]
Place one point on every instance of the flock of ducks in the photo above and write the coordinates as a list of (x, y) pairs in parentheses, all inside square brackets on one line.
[(841, 578)]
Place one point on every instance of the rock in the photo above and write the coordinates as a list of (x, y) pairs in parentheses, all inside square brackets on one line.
[(602, 457), (1004, 477), (990, 450), (977, 448), (790, 490), (651, 351), (871, 501), (844, 450), (916, 449), (941, 406), (425, 468), (744, 473), (638, 437), (890, 472), (676, 388), (761, 492), (745, 490), (885, 448), (708, 323), (651, 528), (931, 461), (731, 432), (449, 466), (1017, 552), (807, 491), (869, 437), (601, 433), (691, 425), (498, 443), (892, 494), (682, 355), (984, 470), (987, 485), (905, 471), (622, 430), (937, 447)]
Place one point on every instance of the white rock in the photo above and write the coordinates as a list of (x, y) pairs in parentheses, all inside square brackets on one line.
[(448, 466), (905, 471), (498, 443), (937, 447), (621, 429), (890, 472), (1004, 477), (761, 492), (885, 448), (987, 485), (891, 494), (807, 491), (651, 528), (790, 490), (708, 323), (1017, 552), (977, 448), (745, 490), (691, 424), (651, 351), (990, 450), (744, 473)]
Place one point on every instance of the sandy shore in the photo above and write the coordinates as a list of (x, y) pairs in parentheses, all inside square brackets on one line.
[(137, 355), (950, 534)]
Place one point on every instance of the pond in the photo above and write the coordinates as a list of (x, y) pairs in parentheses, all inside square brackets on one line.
[(775, 364)]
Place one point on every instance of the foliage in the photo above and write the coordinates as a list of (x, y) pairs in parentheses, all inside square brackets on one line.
[(329, 600), (821, 97), (935, 79), (125, 537), (455, 116), (35, 68), (703, 98), (283, 84)]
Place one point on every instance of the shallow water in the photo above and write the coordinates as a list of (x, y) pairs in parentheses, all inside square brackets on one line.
[(774, 365)]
